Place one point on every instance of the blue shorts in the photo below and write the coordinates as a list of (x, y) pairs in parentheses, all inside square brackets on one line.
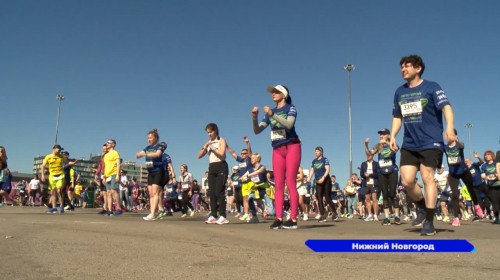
[(112, 184)]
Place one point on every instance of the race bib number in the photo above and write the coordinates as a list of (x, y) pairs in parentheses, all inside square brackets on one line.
[(472, 171), (411, 108), (242, 165), (454, 160), (255, 179), (235, 183), (385, 163), (278, 134), (185, 186)]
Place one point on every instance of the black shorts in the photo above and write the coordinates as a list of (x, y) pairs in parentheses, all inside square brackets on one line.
[(156, 178), (431, 158), (371, 189)]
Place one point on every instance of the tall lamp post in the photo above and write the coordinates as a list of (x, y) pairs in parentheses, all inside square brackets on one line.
[(59, 97), (349, 68), (469, 126)]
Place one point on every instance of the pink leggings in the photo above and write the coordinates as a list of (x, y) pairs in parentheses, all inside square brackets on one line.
[(286, 162)]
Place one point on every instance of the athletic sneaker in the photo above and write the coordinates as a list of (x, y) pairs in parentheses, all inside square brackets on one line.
[(428, 228), (244, 217), (349, 217), (386, 222), (222, 220), (439, 217), (497, 221), (375, 218), (322, 219), (211, 220), (117, 213), (476, 219), (168, 213), (369, 218), (61, 210), (67, 208), (277, 224), (184, 215), (253, 220), (52, 210), (102, 212), (108, 213), (149, 217), (162, 214), (406, 218), (191, 214), (289, 224), (419, 220), (455, 222), (446, 219), (397, 220), (479, 211), (306, 217), (318, 216)]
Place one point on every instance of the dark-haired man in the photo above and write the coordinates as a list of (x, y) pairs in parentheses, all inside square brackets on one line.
[(419, 105)]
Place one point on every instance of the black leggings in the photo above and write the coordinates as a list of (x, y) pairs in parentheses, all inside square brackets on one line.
[(484, 203), (467, 179), (325, 190), (217, 176), (389, 184), (494, 195), (238, 199), (186, 202)]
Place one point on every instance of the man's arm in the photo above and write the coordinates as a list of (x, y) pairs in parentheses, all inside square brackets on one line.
[(395, 127), (450, 123)]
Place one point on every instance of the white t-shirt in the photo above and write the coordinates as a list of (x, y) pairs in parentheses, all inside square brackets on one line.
[(34, 184), (442, 180)]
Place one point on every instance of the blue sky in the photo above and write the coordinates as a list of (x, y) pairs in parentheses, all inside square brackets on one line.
[(126, 67)]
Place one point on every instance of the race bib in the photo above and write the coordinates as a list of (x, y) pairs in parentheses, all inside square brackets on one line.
[(385, 162), (255, 179), (472, 171), (185, 186), (243, 165), (411, 108), (278, 134), (235, 183), (454, 160)]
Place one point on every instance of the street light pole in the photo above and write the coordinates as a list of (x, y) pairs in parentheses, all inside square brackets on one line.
[(349, 68), (59, 97), (469, 126)]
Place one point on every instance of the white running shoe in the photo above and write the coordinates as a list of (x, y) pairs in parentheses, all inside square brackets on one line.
[(306, 217), (222, 220), (149, 218), (211, 220)]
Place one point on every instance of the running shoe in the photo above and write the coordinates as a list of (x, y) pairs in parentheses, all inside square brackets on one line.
[(406, 218), (211, 220), (419, 220), (117, 213), (397, 220), (386, 222), (306, 217), (428, 228), (162, 214), (108, 213), (102, 212), (222, 221), (455, 222), (369, 218), (375, 218), (149, 217), (439, 217), (253, 220), (191, 214), (476, 219), (479, 211), (184, 215), (322, 219), (67, 208), (245, 217), (318, 216), (61, 210), (277, 224), (52, 210), (497, 221), (446, 219), (349, 217), (169, 213), (289, 224)]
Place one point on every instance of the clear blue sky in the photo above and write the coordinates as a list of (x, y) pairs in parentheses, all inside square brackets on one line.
[(126, 67)]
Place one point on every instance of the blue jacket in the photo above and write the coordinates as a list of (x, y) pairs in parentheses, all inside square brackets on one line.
[(364, 168)]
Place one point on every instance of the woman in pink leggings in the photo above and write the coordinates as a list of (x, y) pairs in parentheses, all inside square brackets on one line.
[(286, 151)]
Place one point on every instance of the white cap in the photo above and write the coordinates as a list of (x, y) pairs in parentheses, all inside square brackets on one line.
[(279, 88)]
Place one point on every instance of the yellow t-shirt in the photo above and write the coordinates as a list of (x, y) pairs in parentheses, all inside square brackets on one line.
[(78, 189), (55, 163), (110, 163), (465, 193)]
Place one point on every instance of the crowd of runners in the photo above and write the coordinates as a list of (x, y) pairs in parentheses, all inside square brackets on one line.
[(383, 191)]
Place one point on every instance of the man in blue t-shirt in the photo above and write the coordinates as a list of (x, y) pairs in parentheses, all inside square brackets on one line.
[(419, 105)]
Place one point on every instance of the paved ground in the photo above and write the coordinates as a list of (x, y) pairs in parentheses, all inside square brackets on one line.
[(84, 245)]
